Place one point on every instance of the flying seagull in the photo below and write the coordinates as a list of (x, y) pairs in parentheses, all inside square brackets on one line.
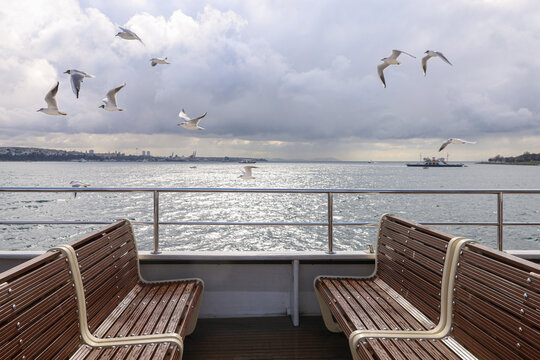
[(455, 141), (391, 60), (155, 61), (128, 35), (52, 106), (431, 54), (190, 124), (78, 184), (110, 100), (77, 78), (246, 174)]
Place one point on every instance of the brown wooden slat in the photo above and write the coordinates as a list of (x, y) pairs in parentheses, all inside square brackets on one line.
[(414, 245), (97, 234), (513, 325), (384, 317), (424, 229), (501, 300), (39, 309), (491, 305)]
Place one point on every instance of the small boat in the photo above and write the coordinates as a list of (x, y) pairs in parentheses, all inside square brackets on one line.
[(433, 162)]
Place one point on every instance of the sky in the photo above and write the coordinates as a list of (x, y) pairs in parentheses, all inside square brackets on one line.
[(279, 79)]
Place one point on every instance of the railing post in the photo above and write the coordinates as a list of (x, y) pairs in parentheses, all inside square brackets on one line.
[(330, 223), (156, 223), (500, 220)]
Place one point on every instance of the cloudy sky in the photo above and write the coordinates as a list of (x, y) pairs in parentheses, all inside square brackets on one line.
[(278, 78)]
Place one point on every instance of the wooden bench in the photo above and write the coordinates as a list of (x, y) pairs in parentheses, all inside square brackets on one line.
[(494, 305), (403, 292), (87, 300), (490, 309)]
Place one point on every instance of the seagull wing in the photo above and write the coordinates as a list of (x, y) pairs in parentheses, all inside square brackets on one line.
[(131, 33), (424, 63), (197, 119), (50, 98), (443, 57), (380, 69), (111, 95), (184, 116), (76, 80), (445, 144), (396, 53), (459, 141)]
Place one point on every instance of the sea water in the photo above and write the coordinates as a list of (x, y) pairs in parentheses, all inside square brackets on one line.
[(262, 207)]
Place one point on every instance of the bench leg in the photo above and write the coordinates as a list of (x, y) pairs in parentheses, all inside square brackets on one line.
[(329, 321)]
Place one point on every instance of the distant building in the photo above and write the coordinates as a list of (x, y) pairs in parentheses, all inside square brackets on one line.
[(91, 152)]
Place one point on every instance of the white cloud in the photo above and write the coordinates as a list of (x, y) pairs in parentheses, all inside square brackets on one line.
[(274, 76)]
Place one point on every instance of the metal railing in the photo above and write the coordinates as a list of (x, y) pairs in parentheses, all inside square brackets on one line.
[(330, 224)]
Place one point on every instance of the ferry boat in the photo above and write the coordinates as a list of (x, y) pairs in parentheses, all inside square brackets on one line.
[(247, 161), (259, 305), (434, 162)]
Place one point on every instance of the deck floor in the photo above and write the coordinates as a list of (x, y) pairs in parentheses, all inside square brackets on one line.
[(264, 338)]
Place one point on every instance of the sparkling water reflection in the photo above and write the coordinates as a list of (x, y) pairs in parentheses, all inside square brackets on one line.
[(262, 207)]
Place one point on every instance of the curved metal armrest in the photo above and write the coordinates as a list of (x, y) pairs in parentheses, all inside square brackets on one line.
[(443, 327), (133, 340), (94, 341)]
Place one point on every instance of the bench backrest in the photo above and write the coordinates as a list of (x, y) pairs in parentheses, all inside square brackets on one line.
[(497, 304), (109, 268), (410, 258), (38, 310)]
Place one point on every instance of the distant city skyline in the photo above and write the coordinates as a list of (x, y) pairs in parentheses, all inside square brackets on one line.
[(288, 80)]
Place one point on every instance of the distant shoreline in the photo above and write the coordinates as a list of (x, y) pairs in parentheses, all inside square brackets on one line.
[(526, 163)]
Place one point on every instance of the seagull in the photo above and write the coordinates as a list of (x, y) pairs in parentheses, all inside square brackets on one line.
[(156, 61), (78, 184), (110, 100), (128, 35), (52, 106), (455, 141), (77, 78), (190, 124), (246, 174), (391, 60), (431, 54)]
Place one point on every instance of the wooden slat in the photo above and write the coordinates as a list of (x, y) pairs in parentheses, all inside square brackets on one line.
[(410, 261), (496, 303), (38, 309)]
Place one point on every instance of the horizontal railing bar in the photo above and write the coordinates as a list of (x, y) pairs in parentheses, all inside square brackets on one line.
[(50, 222), (278, 191)]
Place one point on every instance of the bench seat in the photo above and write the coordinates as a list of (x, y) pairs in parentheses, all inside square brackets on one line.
[(403, 293), (87, 300), (489, 309)]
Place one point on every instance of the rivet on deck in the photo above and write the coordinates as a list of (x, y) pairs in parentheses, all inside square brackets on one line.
[(518, 345), (520, 329), (21, 341), (10, 290), (529, 280), (14, 306), (525, 295), (18, 325), (522, 311)]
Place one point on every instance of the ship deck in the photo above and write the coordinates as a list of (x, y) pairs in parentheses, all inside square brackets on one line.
[(265, 338)]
